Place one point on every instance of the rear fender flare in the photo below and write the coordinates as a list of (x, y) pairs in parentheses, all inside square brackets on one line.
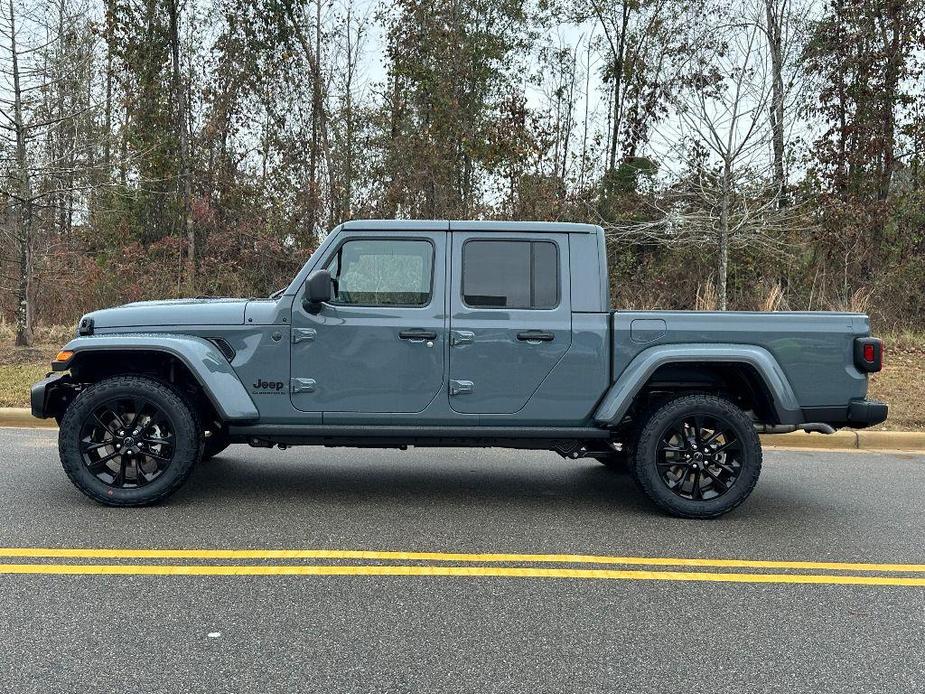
[(618, 399)]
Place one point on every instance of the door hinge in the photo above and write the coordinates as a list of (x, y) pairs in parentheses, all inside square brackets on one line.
[(302, 385), (461, 337), (303, 335), (460, 387)]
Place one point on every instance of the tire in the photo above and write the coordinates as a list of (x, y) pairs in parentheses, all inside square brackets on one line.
[(698, 456), (214, 444), (129, 441)]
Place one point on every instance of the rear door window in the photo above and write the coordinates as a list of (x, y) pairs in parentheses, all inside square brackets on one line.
[(510, 274)]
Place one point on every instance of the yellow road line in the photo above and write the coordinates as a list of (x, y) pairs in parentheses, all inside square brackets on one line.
[(366, 555), (461, 571)]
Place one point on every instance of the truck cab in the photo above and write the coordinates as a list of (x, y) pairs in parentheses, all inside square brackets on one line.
[(453, 333), (429, 327)]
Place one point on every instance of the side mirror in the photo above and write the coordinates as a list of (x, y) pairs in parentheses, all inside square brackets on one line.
[(319, 288)]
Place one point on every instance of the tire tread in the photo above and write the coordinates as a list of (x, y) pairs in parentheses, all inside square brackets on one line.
[(652, 427), (70, 430)]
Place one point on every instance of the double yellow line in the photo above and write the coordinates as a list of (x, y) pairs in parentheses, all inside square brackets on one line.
[(571, 566)]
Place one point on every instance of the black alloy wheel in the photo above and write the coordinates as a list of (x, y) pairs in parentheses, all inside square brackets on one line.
[(698, 456), (129, 441)]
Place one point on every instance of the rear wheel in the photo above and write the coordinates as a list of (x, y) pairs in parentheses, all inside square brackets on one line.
[(129, 441), (698, 456)]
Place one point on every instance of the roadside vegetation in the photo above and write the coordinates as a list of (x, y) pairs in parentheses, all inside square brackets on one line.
[(901, 383), (740, 154)]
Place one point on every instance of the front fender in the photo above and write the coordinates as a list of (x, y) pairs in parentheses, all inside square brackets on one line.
[(207, 364), (621, 394)]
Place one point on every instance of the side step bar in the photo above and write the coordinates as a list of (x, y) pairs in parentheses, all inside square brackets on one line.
[(388, 435), (417, 432)]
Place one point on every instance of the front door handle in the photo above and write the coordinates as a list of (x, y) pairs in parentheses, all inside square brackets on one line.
[(536, 336), (417, 335)]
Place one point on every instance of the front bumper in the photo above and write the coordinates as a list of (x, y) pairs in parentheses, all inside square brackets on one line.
[(48, 394)]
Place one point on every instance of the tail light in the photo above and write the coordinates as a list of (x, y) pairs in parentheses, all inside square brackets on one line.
[(868, 354)]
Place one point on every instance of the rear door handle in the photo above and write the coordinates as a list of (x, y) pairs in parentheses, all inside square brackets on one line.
[(536, 336), (417, 335)]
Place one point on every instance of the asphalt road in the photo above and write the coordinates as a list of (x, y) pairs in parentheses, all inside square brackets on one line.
[(370, 633)]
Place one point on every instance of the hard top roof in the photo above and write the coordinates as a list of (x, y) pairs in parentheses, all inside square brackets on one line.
[(458, 225)]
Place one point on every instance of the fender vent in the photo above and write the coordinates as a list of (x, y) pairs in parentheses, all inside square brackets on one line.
[(223, 346)]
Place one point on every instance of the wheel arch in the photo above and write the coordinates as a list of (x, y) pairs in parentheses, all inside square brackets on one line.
[(191, 363), (749, 373)]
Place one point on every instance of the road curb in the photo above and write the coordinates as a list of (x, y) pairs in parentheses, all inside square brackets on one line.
[(849, 440), (840, 440), (22, 417)]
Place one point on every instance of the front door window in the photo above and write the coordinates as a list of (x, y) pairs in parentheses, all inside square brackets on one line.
[(383, 272)]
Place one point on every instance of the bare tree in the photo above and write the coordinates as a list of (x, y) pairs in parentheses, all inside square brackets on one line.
[(20, 188), (347, 96), (784, 24), (776, 12), (614, 20), (726, 195), (184, 190), (319, 154), (42, 98), (646, 47)]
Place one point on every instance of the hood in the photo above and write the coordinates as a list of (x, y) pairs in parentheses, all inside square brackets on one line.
[(141, 314)]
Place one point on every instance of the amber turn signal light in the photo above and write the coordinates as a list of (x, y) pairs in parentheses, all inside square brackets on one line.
[(64, 355)]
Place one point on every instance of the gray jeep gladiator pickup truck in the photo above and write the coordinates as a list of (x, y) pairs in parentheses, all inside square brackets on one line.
[(445, 333)]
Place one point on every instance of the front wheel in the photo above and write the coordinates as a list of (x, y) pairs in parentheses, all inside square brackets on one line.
[(698, 456), (129, 441)]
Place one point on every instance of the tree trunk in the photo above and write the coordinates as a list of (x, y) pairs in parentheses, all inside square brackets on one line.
[(584, 130), (722, 260), (315, 153), (107, 113), (618, 58), (185, 230), (774, 11), (347, 204), (569, 110), (24, 203), (319, 124), (61, 134), (892, 49), (843, 168)]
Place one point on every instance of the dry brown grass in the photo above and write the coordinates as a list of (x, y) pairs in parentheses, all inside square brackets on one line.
[(706, 299), (774, 298), (901, 383), (20, 367), (44, 335)]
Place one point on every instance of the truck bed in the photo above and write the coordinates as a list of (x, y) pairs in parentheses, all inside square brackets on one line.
[(814, 348)]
